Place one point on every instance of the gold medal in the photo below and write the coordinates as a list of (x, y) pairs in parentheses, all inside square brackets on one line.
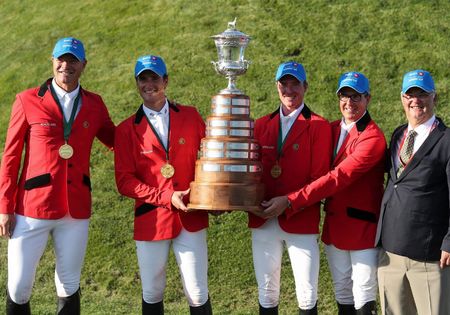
[(275, 171), (167, 170), (65, 151)]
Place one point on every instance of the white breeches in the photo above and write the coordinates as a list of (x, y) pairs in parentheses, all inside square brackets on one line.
[(27, 244), (354, 274), (191, 254), (268, 242)]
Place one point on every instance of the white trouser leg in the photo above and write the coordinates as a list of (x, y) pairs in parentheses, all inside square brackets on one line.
[(340, 265), (191, 253), (25, 249), (267, 245), (354, 274), (267, 248), (305, 261), (70, 238), (365, 284), (152, 260), (27, 244)]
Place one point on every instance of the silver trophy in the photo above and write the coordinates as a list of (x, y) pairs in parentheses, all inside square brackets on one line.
[(231, 45), (229, 170)]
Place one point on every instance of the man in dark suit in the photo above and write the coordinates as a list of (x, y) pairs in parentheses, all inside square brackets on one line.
[(413, 273)]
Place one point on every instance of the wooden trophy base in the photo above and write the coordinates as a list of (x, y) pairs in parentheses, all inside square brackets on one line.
[(226, 196)]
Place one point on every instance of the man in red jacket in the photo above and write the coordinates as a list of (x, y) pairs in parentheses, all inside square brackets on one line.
[(296, 149), (155, 153), (56, 123), (353, 188)]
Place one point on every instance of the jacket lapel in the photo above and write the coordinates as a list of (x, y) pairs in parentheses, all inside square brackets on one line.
[(82, 115), (393, 150), (298, 127), (48, 103), (145, 132), (429, 143), (353, 135), (175, 126)]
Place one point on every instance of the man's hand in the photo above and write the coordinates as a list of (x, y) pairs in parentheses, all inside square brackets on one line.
[(274, 207), (445, 259), (258, 211), (7, 223), (177, 200)]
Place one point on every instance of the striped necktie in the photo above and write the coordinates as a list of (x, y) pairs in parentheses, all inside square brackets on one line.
[(406, 151)]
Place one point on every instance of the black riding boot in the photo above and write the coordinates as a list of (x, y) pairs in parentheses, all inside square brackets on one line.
[(69, 305), (16, 309), (346, 309), (312, 311), (370, 308), (204, 309), (152, 308), (268, 310)]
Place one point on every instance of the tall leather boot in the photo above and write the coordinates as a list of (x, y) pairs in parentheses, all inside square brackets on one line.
[(152, 308), (13, 308), (346, 309), (370, 308), (204, 309), (69, 305), (312, 311), (268, 310)]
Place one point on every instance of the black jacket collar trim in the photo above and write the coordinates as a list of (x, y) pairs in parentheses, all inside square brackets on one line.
[(274, 113), (44, 87), (363, 122), (306, 112), (140, 112), (139, 115), (173, 106)]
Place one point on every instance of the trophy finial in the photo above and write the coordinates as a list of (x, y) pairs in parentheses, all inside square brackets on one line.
[(232, 25)]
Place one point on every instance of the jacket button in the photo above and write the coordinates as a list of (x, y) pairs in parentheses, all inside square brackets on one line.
[(395, 186), (69, 165), (175, 184), (69, 181)]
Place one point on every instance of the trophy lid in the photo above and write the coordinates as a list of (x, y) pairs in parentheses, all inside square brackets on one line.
[(231, 33)]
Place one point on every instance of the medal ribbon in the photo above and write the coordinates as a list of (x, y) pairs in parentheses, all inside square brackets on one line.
[(159, 139), (280, 141), (67, 124)]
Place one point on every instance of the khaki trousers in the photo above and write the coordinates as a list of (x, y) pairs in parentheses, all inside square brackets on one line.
[(409, 287)]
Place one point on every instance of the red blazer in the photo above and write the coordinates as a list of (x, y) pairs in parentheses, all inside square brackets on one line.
[(305, 157), (50, 186), (138, 160), (354, 188)]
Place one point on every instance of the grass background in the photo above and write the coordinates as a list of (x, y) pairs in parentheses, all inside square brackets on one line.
[(383, 39)]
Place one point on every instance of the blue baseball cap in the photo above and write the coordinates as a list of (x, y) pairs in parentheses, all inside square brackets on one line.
[(69, 45), (418, 78), (354, 80), (292, 68), (152, 63)]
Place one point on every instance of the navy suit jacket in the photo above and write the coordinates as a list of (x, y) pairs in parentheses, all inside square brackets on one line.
[(414, 219)]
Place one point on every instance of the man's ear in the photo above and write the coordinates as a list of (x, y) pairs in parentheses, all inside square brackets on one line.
[(435, 98)]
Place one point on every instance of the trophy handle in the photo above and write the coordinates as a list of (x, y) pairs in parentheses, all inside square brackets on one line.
[(215, 66)]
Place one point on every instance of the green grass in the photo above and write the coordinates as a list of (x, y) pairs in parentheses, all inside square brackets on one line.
[(383, 39)]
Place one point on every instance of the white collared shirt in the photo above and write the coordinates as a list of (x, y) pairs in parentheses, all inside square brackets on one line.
[(66, 99), (345, 130), (159, 121), (423, 131), (288, 121)]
